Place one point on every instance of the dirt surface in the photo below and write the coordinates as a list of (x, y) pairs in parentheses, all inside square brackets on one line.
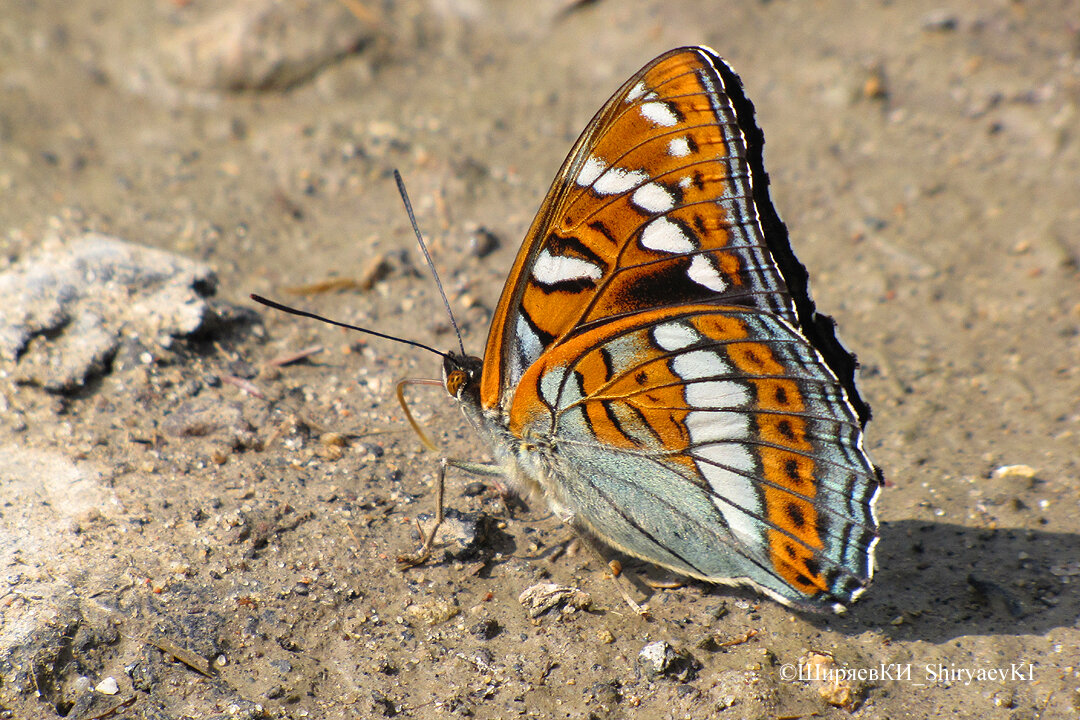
[(187, 530)]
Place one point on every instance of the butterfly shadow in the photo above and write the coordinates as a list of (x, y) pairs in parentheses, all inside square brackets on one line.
[(936, 581)]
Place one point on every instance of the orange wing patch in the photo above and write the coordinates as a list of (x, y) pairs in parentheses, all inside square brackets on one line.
[(722, 328), (655, 395), (778, 394), (795, 563), (788, 469)]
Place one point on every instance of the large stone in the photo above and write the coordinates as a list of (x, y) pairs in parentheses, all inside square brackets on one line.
[(69, 307)]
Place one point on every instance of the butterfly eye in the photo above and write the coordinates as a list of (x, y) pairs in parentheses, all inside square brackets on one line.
[(455, 379)]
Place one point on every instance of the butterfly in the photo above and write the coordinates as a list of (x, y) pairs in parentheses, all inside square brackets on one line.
[(656, 369)]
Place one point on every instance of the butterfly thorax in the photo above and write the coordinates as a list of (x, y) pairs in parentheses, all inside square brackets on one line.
[(525, 462)]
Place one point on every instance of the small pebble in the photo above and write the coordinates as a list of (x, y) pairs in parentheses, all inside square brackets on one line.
[(108, 686), (434, 611), (661, 659), (474, 488), (940, 20), (334, 439), (834, 687), (1022, 471), (542, 597), (483, 242)]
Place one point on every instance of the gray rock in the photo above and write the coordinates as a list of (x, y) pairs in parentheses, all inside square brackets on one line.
[(44, 620), (70, 306), (543, 597), (459, 535), (661, 659)]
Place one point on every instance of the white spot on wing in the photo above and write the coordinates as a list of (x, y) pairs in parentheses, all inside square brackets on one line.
[(636, 92), (530, 343), (551, 269), (674, 336), (617, 180), (663, 235), (679, 147), (659, 113), (699, 364), (736, 497), (731, 455), (738, 502), (702, 272), (552, 386), (710, 426), (593, 168), (653, 198), (717, 394)]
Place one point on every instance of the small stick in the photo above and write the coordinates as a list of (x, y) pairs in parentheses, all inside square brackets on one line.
[(196, 662), (112, 711), (290, 358), (745, 637), (245, 385)]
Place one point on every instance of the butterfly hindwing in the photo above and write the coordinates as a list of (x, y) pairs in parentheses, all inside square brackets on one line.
[(711, 440)]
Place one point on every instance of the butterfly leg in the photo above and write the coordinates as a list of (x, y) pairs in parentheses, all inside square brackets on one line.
[(476, 468), (615, 567)]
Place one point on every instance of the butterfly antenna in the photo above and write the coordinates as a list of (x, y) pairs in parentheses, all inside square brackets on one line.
[(314, 316), (427, 257)]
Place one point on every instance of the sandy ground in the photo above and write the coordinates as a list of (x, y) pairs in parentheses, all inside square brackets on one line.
[(189, 501)]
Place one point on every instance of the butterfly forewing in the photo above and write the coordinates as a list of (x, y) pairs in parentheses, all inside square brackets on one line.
[(653, 207)]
